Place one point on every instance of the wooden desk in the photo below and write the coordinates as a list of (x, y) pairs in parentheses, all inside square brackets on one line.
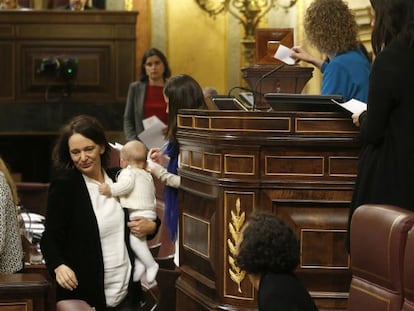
[(299, 165), (23, 292)]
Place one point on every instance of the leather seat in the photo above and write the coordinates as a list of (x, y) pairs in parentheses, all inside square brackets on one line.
[(73, 305), (378, 239), (409, 273)]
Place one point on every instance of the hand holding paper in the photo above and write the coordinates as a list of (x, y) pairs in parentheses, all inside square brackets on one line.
[(353, 105), (283, 53)]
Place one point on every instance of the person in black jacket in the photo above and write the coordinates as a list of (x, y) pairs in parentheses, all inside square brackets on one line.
[(269, 253), (386, 166), (86, 239)]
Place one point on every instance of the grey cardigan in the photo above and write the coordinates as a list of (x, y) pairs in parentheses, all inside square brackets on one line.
[(134, 110)]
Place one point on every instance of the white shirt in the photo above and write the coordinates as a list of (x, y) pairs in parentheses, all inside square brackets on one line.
[(110, 218)]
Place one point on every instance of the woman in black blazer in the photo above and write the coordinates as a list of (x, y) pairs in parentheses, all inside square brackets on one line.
[(85, 243)]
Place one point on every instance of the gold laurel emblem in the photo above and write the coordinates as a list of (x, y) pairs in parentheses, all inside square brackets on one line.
[(235, 226)]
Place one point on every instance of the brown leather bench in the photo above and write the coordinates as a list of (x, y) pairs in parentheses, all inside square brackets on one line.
[(378, 241), (408, 275)]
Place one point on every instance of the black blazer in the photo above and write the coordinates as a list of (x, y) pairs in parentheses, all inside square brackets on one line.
[(72, 237)]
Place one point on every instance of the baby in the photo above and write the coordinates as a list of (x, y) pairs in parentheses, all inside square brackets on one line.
[(136, 191)]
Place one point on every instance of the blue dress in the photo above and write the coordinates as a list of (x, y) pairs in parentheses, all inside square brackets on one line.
[(170, 193), (347, 74)]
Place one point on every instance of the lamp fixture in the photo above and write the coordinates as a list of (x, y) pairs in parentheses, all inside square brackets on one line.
[(248, 12)]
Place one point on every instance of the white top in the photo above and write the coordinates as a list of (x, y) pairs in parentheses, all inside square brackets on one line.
[(135, 189), (168, 178), (111, 223)]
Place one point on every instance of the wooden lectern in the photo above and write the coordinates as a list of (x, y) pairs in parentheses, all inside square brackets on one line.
[(287, 79), (298, 164)]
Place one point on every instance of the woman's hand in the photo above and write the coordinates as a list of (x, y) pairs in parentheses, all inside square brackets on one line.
[(355, 118), (156, 155), (66, 277), (141, 226), (153, 168), (104, 189), (301, 54)]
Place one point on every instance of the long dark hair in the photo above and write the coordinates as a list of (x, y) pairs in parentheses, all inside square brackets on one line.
[(394, 19), (87, 126), (154, 52), (183, 92)]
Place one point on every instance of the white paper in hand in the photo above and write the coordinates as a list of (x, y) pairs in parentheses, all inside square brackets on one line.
[(152, 136), (283, 53), (353, 105), (116, 146)]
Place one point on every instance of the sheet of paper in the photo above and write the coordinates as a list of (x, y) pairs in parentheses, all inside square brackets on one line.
[(116, 145), (283, 54), (153, 136), (353, 105), (150, 121)]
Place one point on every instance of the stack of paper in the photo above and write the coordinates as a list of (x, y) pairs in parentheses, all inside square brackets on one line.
[(33, 226)]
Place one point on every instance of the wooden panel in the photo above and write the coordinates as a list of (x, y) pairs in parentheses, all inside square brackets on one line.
[(94, 75), (294, 165), (23, 305), (343, 166), (305, 177), (102, 41), (196, 235), (24, 291), (7, 80), (239, 164), (325, 125)]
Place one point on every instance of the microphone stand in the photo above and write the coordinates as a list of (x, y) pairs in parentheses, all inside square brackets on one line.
[(259, 83)]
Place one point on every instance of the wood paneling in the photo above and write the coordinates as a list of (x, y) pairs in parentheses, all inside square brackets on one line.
[(23, 291), (235, 163)]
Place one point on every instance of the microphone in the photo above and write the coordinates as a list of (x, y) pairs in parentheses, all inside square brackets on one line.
[(259, 83)]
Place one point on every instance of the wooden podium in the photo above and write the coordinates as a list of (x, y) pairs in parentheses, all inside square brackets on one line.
[(286, 79), (299, 165)]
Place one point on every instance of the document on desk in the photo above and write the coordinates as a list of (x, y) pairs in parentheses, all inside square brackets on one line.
[(352, 105), (153, 136)]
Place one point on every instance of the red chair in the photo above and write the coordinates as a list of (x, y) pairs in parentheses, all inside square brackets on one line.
[(378, 239)]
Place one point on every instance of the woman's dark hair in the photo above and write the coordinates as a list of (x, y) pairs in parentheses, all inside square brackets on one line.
[(88, 127), (394, 19), (183, 92), (154, 52), (268, 245)]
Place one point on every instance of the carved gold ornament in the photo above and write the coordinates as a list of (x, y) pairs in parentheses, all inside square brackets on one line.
[(235, 226)]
